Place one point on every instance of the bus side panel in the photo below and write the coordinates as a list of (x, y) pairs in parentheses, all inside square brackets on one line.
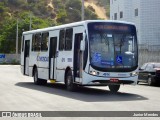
[(26, 59), (42, 62), (22, 55), (65, 57), (53, 61), (30, 70), (60, 75), (79, 30), (43, 73), (64, 60), (33, 61)]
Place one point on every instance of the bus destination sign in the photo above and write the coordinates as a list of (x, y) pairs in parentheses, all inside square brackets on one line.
[(111, 27)]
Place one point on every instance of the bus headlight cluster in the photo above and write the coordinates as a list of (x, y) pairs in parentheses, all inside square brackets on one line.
[(94, 73), (134, 74)]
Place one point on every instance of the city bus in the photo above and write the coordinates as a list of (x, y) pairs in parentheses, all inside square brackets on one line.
[(86, 53)]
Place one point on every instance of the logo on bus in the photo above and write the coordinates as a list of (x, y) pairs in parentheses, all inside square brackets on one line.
[(119, 59), (63, 60), (69, 59), (42, 58), (106, 74)]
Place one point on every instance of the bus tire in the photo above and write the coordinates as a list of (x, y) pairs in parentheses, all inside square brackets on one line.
[(37, 80), (114, 88), (69, 82)]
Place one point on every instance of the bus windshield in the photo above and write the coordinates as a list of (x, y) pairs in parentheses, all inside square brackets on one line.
[(113, 46)]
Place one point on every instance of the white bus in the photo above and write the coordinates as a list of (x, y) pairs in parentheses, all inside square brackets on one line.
[(86, 53)]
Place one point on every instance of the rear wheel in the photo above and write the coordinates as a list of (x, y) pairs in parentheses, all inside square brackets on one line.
[(37, 80), (69, 82), (114, 88)]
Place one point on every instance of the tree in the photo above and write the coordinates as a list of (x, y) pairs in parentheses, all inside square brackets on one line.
[(73, 9), (8, 31), (7, 36), (64, 11)]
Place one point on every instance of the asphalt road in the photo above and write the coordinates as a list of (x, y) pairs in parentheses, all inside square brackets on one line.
[(18, 93)]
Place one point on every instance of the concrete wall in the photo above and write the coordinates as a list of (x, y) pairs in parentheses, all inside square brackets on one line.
[(147, 21), (9, 58), (147, 53), (148, 56)]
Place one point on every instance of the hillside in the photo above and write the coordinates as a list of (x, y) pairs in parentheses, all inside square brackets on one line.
[(53, 8), (99, 10), (43, 13)]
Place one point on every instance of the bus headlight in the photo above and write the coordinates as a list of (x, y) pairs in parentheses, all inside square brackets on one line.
[(94, 73), (134, 74)]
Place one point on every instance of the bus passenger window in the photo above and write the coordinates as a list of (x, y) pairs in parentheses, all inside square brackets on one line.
[(61, 39), (68, 39), (36, 42), (44, 42), (33, 42)]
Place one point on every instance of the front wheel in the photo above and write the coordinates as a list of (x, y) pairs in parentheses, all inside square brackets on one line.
[(37, 80), (69, 82), (114, 88)]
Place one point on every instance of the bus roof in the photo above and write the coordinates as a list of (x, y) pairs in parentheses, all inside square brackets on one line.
[(74, 24)]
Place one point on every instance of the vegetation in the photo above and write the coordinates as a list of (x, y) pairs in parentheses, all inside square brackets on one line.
[(107, 7), (44, 13)]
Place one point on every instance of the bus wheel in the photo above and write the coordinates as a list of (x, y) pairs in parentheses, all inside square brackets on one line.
[(38, 81), (114, 88), (69, 82)]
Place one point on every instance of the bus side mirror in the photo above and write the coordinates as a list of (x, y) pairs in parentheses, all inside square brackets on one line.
[(82, 44)]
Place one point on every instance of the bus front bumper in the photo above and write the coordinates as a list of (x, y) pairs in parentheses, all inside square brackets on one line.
[(90, 80)]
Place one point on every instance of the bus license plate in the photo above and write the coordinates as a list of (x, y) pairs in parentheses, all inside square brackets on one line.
[(114, 80)]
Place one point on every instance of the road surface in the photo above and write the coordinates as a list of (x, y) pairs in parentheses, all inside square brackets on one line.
[(18, 93)]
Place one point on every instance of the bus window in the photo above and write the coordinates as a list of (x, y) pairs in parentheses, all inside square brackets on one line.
[(68, 39), (44, 42), (33, 42), (61, 39), (37, 45)]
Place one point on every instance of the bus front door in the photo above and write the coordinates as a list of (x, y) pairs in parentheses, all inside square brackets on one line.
[(52, 57), (26, 57), (77, 57)]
